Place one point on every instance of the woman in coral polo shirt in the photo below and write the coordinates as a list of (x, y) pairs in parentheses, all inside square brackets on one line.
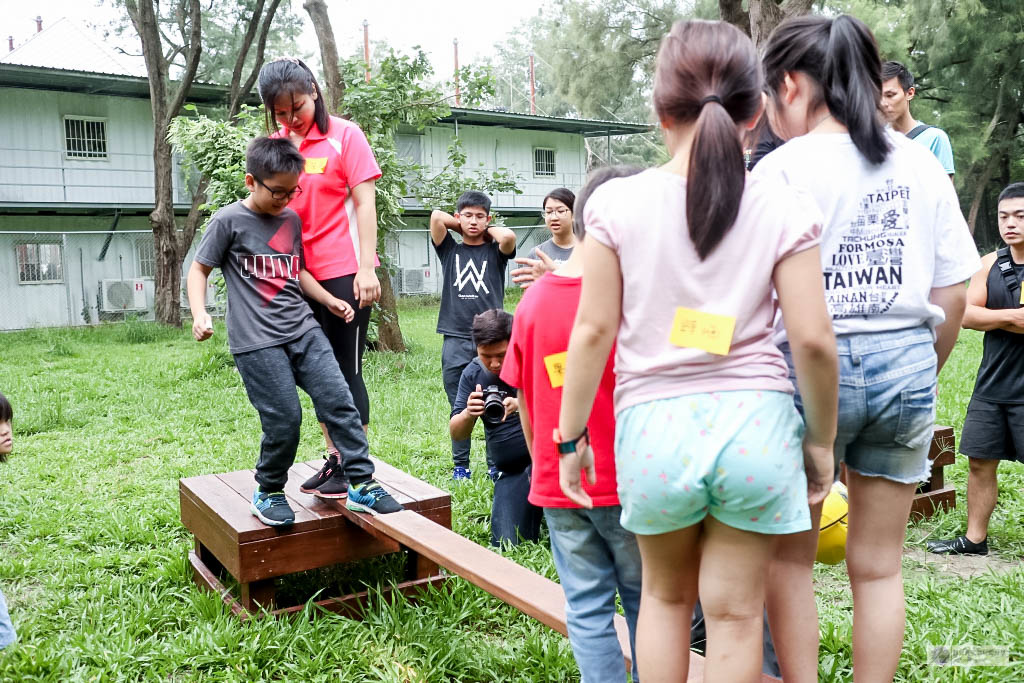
[(338, 209)]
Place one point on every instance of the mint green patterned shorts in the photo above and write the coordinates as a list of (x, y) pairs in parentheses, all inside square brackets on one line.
[(735, 455)]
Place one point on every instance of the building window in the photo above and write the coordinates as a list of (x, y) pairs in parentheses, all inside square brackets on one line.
[(85, 137), (146, 256), (39, 262), (543, 162)]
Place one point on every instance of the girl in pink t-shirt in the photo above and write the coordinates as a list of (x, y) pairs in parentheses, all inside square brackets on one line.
[(711, 453), (337, 205)]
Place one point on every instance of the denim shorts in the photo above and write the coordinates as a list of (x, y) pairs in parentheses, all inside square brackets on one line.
[(887, 386), (734, 455)]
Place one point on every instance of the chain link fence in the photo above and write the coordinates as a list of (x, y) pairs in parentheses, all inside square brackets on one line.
[(58, 279), (416, 270)]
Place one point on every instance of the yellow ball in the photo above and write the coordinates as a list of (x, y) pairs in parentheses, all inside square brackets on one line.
[(832, 536)]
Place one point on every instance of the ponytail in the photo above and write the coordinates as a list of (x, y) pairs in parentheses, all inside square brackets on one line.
[(841, 56), (287, 76), (715, 177), (707, 73)]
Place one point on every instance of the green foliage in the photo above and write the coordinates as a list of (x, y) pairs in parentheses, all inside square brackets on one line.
[(215, 149)]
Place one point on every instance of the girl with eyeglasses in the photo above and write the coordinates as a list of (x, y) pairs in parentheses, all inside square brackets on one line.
[(552, 253), (337, 206)]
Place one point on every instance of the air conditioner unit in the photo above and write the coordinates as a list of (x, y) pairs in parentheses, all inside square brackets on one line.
[(414, 281), (124, 295)]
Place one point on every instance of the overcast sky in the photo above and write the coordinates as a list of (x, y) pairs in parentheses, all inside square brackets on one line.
[(477, 24)]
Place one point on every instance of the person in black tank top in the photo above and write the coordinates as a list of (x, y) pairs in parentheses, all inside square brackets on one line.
[(994, 425)]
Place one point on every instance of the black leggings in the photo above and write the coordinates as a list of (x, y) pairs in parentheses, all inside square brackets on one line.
[(348, 340)]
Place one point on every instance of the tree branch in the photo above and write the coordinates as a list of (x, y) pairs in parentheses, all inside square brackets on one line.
[(243, 52), (317, 10), (732, 12), (195, 48), (261, 46)]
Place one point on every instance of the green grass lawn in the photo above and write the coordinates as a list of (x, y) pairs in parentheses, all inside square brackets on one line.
[(93, 555)]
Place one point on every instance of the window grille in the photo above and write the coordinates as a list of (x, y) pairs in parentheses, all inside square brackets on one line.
[(543, 162), (85, 138), (146, 253), (39, 262)]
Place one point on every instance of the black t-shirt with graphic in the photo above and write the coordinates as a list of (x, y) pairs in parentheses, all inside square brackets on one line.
[(474, 282), (260, 256)]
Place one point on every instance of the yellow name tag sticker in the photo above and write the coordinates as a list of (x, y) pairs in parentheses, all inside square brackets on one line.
[(555, 364), (316, 165), (705, 331), (1022, 296)]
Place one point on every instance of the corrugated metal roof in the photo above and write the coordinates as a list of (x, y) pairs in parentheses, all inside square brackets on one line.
[(586, 127), (69, 46)]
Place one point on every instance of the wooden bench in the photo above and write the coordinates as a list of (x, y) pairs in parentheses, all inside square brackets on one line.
[(934, 494), (229, 539), (527, 591)]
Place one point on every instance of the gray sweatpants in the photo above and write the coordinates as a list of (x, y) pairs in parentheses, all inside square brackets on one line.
[(271, 375)]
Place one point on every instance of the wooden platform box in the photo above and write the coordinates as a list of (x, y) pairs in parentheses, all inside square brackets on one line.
[(229, 539), (934, 494)]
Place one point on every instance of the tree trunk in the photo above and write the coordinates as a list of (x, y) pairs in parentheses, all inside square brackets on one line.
[(995, 157), (389, 333), (317, 10), (765, 15), (732, 12)]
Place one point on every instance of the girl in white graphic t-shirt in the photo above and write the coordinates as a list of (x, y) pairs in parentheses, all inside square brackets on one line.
[(895, 253)]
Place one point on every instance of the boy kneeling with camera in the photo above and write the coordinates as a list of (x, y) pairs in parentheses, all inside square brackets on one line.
[(483, 395)]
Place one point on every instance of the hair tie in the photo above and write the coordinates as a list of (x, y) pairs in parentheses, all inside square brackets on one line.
[(710, 98)]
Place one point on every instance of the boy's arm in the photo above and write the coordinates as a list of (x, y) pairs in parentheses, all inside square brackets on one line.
[(524, 420), (977, 317), (315, 291), (440, 224), (505, 238), (202, 324)]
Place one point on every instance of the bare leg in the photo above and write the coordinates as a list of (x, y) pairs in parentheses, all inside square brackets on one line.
[(879, 510), (792, 612), (668, 593), (982, 491), (732, 583), (327, 438)]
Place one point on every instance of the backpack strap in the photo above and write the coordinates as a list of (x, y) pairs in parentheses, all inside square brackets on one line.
[(1007, 270), (917, 130)]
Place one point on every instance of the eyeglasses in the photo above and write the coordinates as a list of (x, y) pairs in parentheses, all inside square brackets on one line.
[(561, 211), (280, 194)]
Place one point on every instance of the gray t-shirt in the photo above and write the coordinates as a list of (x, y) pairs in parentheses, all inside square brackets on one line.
[(260, 256), (558, 254)]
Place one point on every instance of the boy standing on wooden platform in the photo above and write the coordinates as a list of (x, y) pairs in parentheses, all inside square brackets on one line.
[(994, 426), (276, 342)]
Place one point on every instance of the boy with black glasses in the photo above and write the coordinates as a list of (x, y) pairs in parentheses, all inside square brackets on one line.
[(276, 342)]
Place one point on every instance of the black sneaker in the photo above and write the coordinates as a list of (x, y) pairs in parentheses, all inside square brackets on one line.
[(960, 545), (371, 497), (331, 464), (335, 487), (271, 508)]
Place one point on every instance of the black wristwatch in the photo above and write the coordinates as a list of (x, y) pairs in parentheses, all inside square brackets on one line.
[(567, 447)]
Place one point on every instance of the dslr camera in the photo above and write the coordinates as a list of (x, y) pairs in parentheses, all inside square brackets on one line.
[(494, 406)]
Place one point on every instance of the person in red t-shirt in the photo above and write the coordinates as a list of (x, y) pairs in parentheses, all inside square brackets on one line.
[(338, 209), (593, 554)]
